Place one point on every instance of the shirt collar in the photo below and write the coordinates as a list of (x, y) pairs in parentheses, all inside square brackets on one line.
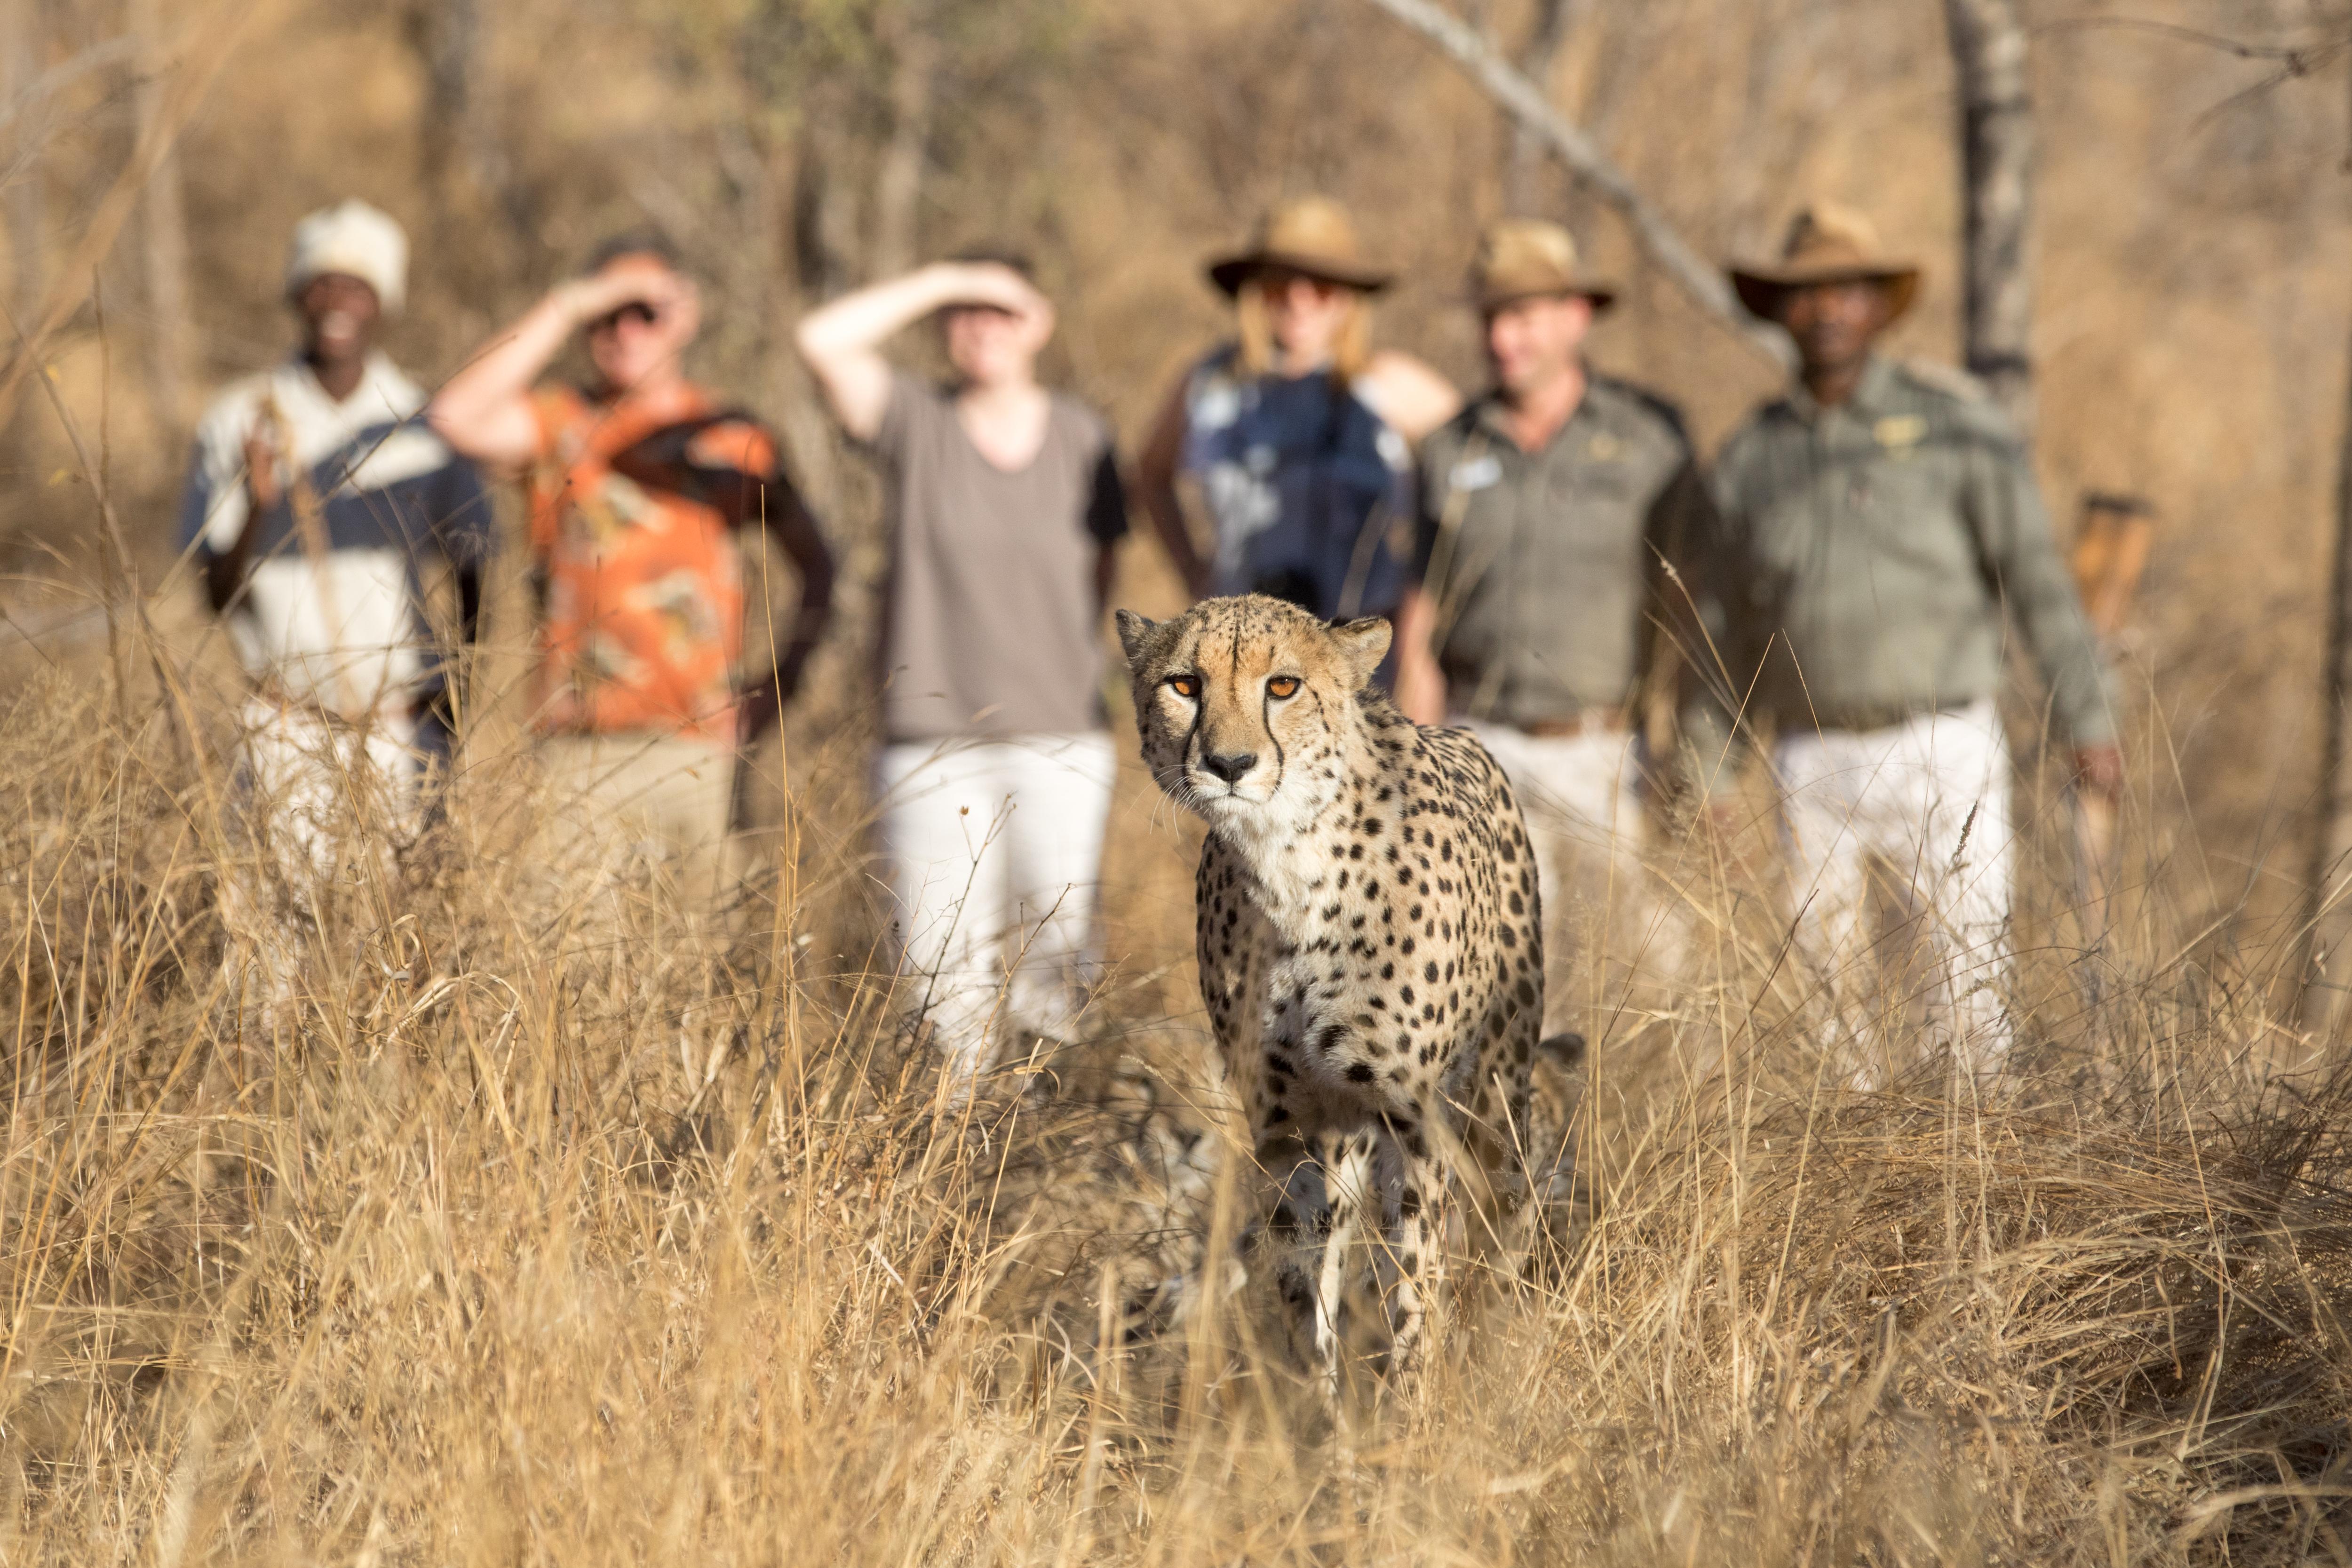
[(1870, 394), (1492, 416), (382, 392)]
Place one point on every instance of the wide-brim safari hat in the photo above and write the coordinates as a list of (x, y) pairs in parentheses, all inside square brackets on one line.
[(1526, 258), (1827, 243), (1313, 236)]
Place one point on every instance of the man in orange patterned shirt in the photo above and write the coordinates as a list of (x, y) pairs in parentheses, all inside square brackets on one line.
[(640, 484)]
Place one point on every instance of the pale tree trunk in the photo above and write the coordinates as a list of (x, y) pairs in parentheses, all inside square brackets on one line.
[(457, 141), (1989, 59), (899, 183), (1535, 63), (2326, 972), (1991, 81), (164, 258)]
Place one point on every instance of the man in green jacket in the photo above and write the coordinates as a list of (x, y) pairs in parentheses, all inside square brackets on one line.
[(1887, 528), (1559, 514)]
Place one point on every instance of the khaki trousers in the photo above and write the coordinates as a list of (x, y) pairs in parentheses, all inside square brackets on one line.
[(644, 799), (1577, 792)]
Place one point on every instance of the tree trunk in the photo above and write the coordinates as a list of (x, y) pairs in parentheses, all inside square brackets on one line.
[(899, 183), (164, 258), (21, 204), (1989, 59), (20, 68), (824, 198), (2326, 971)]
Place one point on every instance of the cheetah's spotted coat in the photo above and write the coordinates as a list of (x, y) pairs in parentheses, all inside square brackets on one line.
[(1368, 934)]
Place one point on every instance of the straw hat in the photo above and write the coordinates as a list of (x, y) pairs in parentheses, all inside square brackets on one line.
[(1827, 243), (1311, 235), (1525, 258)]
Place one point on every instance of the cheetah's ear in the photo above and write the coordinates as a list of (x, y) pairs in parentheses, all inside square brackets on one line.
[(1360, 646), (1134, 632)]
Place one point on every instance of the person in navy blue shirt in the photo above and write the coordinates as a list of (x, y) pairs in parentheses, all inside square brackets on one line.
[(316, 499), (1297, 433)]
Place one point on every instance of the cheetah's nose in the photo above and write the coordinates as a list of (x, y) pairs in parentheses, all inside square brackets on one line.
[(1229, 766)]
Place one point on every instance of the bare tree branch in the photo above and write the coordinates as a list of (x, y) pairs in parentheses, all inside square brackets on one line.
[(61, 75), (1705, 283), (213, 36), (1534, 64)]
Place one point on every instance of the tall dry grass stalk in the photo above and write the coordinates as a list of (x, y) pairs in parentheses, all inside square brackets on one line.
[(545, 1224)]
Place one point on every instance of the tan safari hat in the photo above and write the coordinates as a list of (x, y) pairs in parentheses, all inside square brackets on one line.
[(1312, 235), (1827, 243), (1526, 258)]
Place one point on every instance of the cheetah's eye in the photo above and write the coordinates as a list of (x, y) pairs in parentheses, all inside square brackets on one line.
[(1283, 686), (1184, 684)]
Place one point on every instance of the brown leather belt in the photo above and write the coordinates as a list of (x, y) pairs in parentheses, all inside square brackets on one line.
[(1585, 721)]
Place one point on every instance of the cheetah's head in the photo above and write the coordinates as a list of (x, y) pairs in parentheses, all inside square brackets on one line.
[(1245, 705)]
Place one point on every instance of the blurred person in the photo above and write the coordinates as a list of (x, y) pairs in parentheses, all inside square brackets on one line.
[(1298, 432), (641, 483), (1886, 519), (996, 771), (1561, 517), (315, 500)]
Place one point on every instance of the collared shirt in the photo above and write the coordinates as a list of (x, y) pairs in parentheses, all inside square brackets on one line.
[(636, 507), (1548, 570), (336, 620), (1879, 540)]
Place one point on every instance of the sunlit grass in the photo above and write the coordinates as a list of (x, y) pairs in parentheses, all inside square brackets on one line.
[(541, 1225)]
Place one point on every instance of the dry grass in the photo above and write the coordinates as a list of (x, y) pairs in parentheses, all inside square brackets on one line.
[(549, 1229), (554, 1228)]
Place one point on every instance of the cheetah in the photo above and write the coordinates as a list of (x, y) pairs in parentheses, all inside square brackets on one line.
[(1370, 943)]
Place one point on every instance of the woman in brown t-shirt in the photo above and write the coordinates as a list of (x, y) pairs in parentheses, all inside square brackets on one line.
[(996, 771)]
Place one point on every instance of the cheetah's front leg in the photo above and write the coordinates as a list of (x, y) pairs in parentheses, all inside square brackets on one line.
[(1418, 1228), (1349, 1184)]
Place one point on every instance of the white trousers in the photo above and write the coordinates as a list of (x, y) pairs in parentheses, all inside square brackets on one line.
[(1584, 819), (316, 802), (995, 850), (310, 788), (1930, 800)]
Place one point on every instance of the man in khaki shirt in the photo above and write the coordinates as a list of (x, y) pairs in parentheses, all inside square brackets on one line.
[(1887, 531), (1556, 511)]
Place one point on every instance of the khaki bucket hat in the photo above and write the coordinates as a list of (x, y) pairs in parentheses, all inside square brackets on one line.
[(1827, 243), (1526, 258), (1312, 235)]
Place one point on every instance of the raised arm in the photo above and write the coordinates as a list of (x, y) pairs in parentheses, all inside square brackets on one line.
[(484, 411), (842, 341), (1155, 476), (1420, 682), (1409, 396)]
